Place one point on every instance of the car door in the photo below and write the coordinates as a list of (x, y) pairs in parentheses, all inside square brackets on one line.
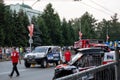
[(56, 54)]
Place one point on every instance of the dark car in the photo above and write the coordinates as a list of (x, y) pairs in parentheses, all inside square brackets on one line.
[(64, 70), (84, 59)]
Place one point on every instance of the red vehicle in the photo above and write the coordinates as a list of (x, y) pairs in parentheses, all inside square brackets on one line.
[(86, 43)]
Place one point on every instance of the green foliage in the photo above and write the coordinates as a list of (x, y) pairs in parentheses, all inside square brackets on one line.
[(36, 33), (21, 28), (114, 28), (2, 10), (2, 22), (110, 28), (14, 30), (88, 26), (44, 31), (65, 32), (49, 30), (71, 34), (53, 25)]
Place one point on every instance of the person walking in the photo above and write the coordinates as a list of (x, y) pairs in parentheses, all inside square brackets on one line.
[(15, 58), (67, 55)]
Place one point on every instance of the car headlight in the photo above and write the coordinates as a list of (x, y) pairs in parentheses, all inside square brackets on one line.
[(25, 56)]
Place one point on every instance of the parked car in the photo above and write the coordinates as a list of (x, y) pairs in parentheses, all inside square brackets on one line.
[(64, 70), (109, 57), (85, 58), (43, 55)]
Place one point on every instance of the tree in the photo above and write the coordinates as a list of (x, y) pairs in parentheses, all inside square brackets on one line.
[(110, 28), (36, 33), (2, 22), (17, 30), (22, 28), (103, 29), (88, 26), (44, 31), (71, 33), (52, 21), (65, 33), (9, 28), (114, 30)]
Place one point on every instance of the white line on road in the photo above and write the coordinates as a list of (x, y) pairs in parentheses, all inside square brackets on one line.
[(21, 70)]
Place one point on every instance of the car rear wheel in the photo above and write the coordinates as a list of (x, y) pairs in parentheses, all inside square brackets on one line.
[(57, 63), (27, 65)]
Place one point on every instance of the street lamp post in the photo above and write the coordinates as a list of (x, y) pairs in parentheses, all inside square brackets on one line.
[(31, 29)]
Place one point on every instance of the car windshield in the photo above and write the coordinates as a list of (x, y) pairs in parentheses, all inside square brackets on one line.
[(40, 49), (75, 58)]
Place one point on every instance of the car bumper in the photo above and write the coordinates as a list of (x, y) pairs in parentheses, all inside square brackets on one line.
[(34, 61)]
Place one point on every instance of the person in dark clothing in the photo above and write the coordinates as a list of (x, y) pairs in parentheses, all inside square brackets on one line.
[(15, 59), (0, 54)]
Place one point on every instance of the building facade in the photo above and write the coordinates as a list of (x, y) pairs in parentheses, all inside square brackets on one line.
[(27, 9), (1, 1)]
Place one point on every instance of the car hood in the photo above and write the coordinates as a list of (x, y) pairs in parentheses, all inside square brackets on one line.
[(69, 65), (65, 67), (37, 53)]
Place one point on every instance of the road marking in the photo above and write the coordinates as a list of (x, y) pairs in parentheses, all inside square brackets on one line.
[(3, 73)]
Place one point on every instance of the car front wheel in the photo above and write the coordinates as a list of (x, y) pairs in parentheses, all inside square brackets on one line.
[(44, 63), (27, 65)]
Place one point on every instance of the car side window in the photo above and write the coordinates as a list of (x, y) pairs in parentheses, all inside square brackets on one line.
[(85, 61), (49, 50)]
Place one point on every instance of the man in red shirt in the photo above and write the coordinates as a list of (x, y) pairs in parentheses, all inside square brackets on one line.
[(14, 59), (67, 55)]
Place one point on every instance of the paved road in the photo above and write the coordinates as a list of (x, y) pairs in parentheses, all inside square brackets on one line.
[(34, 73)]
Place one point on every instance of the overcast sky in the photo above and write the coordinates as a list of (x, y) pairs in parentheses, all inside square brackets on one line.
[(74, 9)]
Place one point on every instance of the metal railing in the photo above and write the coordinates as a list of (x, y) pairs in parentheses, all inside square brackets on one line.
[(102, 72)]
